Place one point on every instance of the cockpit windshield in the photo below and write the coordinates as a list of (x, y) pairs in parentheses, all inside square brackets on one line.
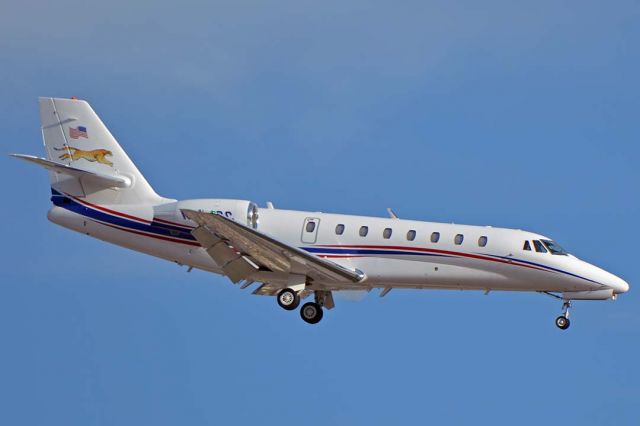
[(554, 248)]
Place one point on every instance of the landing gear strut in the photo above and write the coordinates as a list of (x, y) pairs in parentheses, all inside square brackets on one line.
[(562, 322)]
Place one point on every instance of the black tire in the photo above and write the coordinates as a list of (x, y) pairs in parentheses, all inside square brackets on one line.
[(288, 299), (311, 312), (562, 322)]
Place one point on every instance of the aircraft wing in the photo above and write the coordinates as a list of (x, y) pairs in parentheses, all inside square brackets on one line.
[(242, 251)]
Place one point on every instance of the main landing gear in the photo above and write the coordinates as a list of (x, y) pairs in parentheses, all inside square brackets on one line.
[(311, 312), (562, 322), (288, 299)]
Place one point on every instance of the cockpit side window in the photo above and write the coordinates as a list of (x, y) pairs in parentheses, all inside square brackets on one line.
[(539, 246), (526, 246), (554, 248)]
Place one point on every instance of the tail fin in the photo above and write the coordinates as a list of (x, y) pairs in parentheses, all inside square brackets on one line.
[(74, 135)]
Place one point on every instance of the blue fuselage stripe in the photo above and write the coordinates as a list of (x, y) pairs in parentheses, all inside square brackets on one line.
[(154, 228), (350, 251), (544, 266)]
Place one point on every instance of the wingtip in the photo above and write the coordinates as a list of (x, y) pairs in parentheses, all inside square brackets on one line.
[(21, 156)]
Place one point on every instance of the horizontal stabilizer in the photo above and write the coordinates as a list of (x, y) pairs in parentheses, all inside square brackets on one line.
[(101, 179)]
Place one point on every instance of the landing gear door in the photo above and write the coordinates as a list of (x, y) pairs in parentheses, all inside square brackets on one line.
[(310, 230)]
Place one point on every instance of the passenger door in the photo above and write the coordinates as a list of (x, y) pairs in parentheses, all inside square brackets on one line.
[(310, 230)]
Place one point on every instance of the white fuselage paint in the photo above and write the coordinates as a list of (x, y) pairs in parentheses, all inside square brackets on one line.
[(395, 262)]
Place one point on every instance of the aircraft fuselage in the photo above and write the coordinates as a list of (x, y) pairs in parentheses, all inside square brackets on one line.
[(393, 252)]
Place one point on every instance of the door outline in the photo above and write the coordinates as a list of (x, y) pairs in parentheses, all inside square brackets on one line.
[(310, 237)]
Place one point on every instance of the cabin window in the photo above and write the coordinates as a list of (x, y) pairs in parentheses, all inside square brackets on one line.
[(526, 246), (435, 237), (539, 247), (311, 226), (458, 239), (482, 241), (386, 234), (364, 230), (411, 235), (339, 229)]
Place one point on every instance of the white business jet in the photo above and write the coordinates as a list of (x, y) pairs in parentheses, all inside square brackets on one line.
[(98, 191)]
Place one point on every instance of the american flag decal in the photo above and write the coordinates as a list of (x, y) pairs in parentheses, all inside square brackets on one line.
[(79, 132)]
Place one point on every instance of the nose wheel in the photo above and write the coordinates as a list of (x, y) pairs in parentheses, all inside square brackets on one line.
[(562, 322)]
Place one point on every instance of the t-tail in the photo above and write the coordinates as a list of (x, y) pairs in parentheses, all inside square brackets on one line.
[(84, 159)]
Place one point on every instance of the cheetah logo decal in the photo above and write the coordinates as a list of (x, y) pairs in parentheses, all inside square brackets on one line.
[(75, 154)]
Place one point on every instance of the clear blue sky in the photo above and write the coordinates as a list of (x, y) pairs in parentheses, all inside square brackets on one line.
[(519, 115)]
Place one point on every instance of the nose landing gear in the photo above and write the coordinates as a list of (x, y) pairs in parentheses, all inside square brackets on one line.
[(562, 322)]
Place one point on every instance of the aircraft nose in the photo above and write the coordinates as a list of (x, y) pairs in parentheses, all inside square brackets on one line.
[(620, 286), (607, 278)]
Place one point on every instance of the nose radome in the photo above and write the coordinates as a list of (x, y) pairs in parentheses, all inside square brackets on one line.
[(602, 276), (616, 283), (619, 285)]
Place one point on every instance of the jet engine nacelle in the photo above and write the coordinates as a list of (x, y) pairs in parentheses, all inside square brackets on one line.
[(241, 211)]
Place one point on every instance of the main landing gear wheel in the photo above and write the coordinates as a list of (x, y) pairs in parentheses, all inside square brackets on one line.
[(288, 299), (311, 312), (563, 322)]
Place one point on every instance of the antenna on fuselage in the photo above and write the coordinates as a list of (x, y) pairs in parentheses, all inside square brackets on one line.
[(392, 214)]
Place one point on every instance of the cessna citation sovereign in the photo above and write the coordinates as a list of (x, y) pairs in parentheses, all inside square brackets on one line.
[(98, 191)]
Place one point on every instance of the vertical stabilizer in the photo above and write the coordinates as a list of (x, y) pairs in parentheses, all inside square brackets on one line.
[(74, 135)]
